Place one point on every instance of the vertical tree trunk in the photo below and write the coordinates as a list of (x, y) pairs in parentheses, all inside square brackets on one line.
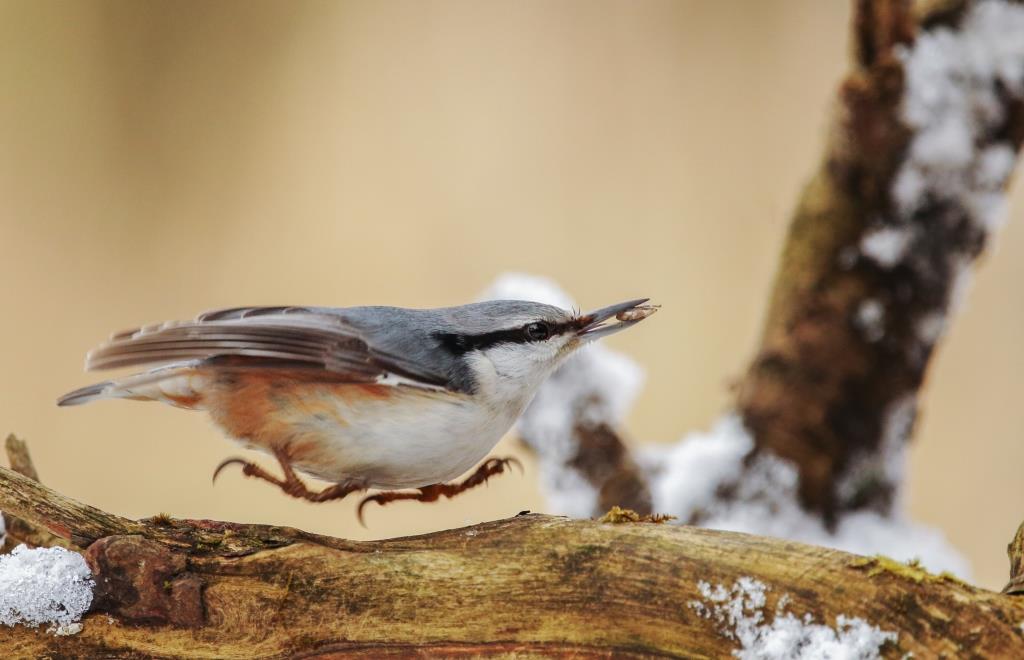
[(881, 240)]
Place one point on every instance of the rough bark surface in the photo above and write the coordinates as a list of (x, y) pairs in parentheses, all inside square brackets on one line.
[(18, 531), (824, 387), (526, 586), (1015, 551)]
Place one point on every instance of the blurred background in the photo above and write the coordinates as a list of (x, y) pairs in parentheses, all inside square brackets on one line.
[(162, 158)]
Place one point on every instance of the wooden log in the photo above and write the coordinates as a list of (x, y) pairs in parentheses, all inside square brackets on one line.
[(530, 585)]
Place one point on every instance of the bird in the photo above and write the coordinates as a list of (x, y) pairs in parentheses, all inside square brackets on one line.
[(373, 397)]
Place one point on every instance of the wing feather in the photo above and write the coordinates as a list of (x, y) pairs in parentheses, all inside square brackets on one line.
[(288, 337)]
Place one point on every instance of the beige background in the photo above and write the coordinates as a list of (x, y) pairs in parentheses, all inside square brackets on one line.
[(159, 159)]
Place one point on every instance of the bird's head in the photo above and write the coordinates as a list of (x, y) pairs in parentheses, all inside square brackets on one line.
[(511, 346)]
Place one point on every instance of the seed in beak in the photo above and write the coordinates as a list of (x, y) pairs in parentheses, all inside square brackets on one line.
[(638, 313)]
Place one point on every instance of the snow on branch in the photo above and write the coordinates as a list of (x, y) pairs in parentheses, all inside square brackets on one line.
[(960, 82), (929, 127), (713, 479)]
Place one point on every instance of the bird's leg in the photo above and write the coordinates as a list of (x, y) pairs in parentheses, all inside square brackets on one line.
[(291, 484), (488, 469)]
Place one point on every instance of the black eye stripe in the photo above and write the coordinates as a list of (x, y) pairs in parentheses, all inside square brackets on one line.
[(460, 344)]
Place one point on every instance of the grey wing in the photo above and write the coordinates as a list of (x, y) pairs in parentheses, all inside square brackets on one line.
[(303, 337)]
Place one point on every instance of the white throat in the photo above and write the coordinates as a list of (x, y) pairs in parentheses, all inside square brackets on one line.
[(508, 375)]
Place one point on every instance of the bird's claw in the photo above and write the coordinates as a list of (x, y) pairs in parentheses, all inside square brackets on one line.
[(487, 469), (497, 465), (223, 464), (366, 500), (291, 484)]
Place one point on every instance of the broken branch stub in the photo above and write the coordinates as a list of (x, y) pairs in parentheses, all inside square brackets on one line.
[(18, 531)]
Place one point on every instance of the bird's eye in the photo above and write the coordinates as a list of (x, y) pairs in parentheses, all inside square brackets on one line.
[(538, 331)]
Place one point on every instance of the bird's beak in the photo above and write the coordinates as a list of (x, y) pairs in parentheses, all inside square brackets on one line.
[(591, 325)]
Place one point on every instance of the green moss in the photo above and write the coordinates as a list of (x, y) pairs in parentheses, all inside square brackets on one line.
[(911, 570), (617, 515), (946, 576)]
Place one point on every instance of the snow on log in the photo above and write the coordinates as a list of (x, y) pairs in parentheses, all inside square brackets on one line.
[(44, 586)]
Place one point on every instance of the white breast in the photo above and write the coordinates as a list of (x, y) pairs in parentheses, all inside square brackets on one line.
[(415, 438), (390, 435)]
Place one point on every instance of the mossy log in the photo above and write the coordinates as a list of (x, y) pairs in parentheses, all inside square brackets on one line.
[(526, 586)]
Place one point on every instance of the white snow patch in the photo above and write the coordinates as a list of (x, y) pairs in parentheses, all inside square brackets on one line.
[(691, 470), (908, 187), (567, 492), (886, 246), (951, 102), (870, 318), (595, 386), (44, 585), (931, 328), (995, 164), (762, 498), (739, 612)]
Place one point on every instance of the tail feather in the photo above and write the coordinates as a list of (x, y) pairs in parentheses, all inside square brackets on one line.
[(87, 394), (177, 384)]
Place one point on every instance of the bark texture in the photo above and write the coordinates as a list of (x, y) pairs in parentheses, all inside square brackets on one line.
[(526, 586), (849, 336), (18, 531)]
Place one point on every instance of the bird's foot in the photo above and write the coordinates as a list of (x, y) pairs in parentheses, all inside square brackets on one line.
[(487, 469), (291, 484)]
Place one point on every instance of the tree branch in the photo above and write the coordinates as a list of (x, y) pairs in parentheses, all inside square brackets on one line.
[(79, 523), (903, 203), (18, 531), (200, 589)]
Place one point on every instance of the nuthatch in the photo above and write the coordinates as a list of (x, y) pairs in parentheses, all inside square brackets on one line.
[(365, 397)]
